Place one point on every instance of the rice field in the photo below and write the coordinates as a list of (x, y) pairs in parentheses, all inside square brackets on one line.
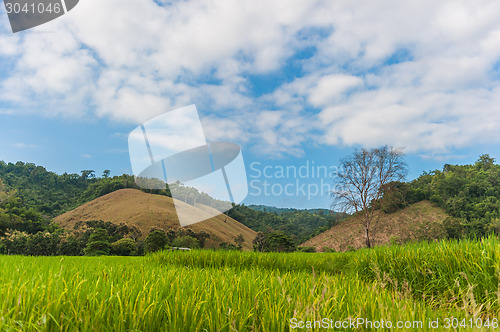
[(411, 287)]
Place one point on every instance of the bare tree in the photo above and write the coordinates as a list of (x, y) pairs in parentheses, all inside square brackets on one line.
[(360, 179)]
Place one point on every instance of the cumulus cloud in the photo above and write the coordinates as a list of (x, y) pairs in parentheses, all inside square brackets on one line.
[(424, 75), (331, 88)]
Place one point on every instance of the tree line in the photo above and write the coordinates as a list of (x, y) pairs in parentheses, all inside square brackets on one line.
[(96, 238)]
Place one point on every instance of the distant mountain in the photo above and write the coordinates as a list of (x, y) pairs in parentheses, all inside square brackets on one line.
[(274, 209), (299, 224)]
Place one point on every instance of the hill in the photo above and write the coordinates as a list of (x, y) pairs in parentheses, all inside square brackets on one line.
[(468, 193), (146, 211), (419, 221)]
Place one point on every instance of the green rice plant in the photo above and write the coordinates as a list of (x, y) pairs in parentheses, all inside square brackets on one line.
[(297, 261), (132, 294), (464, 274), (239, 291), (461, 273)]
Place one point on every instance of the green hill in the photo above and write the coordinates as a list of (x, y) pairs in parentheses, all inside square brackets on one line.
[(53, 194), (470, 194)]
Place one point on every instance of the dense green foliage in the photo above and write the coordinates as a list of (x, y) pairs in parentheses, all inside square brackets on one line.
[(92, 238), (155, 241), (186, 242), (301, 225), (98, 243), (124, 247), (249, 291), (53, 194), (61, 242), (273, 242), (14, 215)]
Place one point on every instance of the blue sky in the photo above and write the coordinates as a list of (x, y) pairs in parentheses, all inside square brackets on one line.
[(294, 83)]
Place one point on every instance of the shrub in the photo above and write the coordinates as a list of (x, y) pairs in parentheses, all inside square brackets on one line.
[(239, 240), (124, 247), (186, 242), (453, 228), (70, 246), (155, 241), (228, 246), (98, 243), (277, 242)]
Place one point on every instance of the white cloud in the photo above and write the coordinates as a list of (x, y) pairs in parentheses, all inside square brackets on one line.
[(418, 74), (21, 145), (331, 88)]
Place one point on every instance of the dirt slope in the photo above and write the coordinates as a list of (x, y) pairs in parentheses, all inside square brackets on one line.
[(418, 221), (145, 211)]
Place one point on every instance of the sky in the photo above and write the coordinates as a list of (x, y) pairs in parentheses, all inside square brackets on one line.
[(294, 83)]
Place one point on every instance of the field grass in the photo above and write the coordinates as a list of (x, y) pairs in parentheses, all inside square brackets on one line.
[(239, 291), (460, 274)]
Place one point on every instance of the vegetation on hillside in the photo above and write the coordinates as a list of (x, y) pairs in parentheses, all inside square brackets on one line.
[(470, 194), (300, 225), (52, 194)]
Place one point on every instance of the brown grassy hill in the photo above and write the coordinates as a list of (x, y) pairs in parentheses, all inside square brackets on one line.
[(420, 221), (145, 211)]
